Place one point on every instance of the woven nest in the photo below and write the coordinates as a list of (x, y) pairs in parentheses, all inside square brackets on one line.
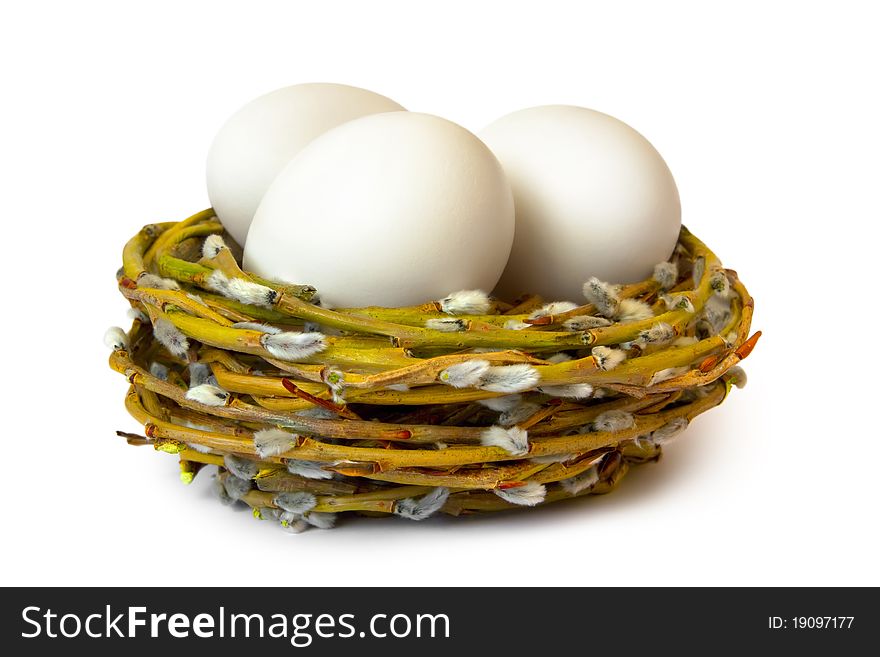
[(462, 405)]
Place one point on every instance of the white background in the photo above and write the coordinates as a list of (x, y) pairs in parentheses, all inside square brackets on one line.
[(767, 114)]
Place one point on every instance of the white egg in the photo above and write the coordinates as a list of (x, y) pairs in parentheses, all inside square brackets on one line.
[(264, 135), (387, 210), (593, 198)]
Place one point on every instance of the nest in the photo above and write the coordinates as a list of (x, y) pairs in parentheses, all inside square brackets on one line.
[(462, 405)]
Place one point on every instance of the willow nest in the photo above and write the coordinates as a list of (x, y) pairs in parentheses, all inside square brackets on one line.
[(462, 405)]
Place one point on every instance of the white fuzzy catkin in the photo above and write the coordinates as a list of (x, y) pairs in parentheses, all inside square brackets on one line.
[(220, 490), (738, 376), (529, 494), (398, 387), (308, 469), (334, 379), (692, 394), (466, 302), (561, 357), (320, 519), (581, 482), (268, 513), (236, 487), (212, 245), (607, 358), (678, 302), (669, 431), (241, 467), (201, 449), (553, 308), (720, 284), (273, 442), (257, 326), (633, 310), (465, 375), (666, 374), (730, 339), (501, 404), (685, 341), (570, 391), (293, 346), (218, 282), (510, 378), (515, 325), (585, 323), (159, 371), (136, 314), (297, 503), (204, 449), (613, 420), (251, 293), (716, 312), (699, 268), (658, 333), (208, 395), (446, 324), (419, 508), (241, 290), (602, 295), (154, 282), (170, 337), (116, 338), (199, 374), (512, 440), (292, 523), (518, 413), (666, 274)]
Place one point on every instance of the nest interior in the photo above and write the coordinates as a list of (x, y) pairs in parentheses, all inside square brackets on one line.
[(462, 405)]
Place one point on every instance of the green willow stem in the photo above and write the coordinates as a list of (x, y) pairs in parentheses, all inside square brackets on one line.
[(384, 459), (412, 336), (149, 254), (133, 253)]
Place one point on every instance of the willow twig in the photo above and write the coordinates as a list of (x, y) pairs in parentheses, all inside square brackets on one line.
[(383, 415)]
